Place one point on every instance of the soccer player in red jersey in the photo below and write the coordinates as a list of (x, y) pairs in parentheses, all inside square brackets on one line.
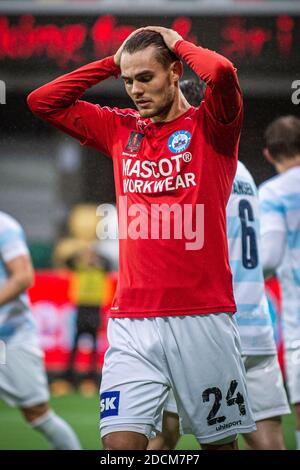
[(172, 324)]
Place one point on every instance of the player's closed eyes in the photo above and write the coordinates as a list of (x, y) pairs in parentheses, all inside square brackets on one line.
[(147, 78), (141, 79)]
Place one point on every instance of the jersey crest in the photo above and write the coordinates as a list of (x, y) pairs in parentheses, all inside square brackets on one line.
[(134, 142)]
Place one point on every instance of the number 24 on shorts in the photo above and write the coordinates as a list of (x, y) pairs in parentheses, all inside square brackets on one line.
[(230, 400)]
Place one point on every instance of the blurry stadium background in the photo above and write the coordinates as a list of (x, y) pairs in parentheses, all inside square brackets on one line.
[(52, 185)]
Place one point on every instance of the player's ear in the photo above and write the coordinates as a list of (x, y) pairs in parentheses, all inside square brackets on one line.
[(268, 156), (176, 70)]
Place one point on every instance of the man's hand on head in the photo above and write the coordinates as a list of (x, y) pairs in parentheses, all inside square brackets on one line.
[(117, 56), (170, 36)]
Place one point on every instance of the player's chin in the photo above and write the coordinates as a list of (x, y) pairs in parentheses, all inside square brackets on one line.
[(147, 113)]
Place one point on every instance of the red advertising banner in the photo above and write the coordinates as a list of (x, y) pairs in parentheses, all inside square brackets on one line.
[(270, 43), (55, 314)]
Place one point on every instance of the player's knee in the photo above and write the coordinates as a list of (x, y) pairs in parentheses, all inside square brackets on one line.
[(228, 443), (125, 440), (268, 436), (273, 444), (265, 444), (170, 439), (35, 412)]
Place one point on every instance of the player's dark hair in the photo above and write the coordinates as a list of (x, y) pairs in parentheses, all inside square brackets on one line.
[(193, 91), (282, 137), (144, 39)]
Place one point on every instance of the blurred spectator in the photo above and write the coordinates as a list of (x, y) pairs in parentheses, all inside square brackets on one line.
[(88, 288)]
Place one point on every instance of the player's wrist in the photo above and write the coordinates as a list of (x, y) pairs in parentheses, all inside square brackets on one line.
[(116, 60), (177, 44), (114, 67)]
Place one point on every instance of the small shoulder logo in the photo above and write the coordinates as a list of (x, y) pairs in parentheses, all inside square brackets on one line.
[(134, 142), (179, 141)]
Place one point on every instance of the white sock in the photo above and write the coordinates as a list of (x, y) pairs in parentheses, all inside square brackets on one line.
[(57, 432), (298, 439)]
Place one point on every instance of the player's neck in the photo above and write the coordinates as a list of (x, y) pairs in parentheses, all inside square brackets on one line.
[(179, 106), (287, 164)]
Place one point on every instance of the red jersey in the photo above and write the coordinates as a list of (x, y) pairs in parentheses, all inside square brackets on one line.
[(175, 169)]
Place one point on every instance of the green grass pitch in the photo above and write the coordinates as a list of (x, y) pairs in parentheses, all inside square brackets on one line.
[(82, 413)]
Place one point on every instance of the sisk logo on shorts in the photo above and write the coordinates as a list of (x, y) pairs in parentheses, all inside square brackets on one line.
[(179, 141), (109, 404)]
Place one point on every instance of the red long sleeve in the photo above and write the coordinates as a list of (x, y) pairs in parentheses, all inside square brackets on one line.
[(58, 103), (223, 95), (66, 89)]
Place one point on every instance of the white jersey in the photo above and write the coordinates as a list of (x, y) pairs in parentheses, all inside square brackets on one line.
[(253, 316), (15, 316), (280, 211)]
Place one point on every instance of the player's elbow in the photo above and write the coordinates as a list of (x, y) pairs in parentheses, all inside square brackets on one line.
[(225, 73), (32, 101), (24, 280), (36, 102)]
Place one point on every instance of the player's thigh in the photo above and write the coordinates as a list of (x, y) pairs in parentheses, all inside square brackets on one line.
[(169, 426), (23, 380), (292, 367), (170, 422), (265, 387), (134, 386), (208, 376)]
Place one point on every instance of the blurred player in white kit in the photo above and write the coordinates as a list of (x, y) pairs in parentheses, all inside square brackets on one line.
[(23, 381), (280, 223)]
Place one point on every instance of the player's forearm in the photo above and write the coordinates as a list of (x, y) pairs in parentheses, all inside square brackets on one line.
[(272, 251), (65, 90), (15, 286), (220, 76)]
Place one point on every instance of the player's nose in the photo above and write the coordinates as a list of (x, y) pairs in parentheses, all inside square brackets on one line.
[(137, 88)]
